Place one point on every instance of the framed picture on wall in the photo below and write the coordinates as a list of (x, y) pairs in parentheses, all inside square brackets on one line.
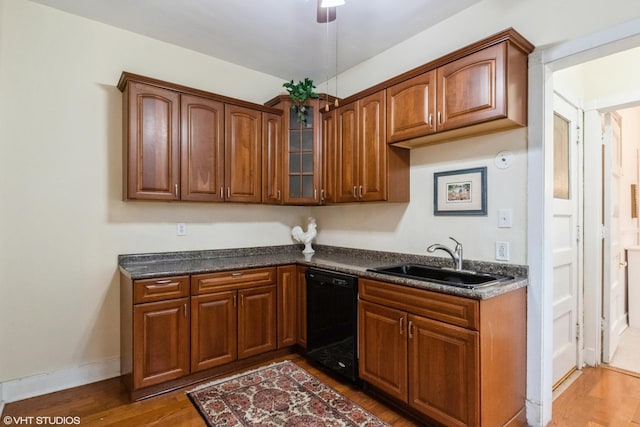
[(460, 192)]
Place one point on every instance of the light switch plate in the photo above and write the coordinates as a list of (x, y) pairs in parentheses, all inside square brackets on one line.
[(505, 218)]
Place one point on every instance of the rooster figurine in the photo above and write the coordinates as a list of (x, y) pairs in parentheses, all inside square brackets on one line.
[(305, 237)]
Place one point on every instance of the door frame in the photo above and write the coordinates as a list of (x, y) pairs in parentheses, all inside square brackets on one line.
[(542, 64)]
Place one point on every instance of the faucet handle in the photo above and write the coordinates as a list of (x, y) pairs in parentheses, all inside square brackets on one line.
[(457, 243)]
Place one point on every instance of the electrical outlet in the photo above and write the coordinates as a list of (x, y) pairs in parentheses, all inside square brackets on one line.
[(502, 251), (181, 229)]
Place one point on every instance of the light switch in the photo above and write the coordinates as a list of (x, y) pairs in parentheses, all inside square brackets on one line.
[(505, 218)]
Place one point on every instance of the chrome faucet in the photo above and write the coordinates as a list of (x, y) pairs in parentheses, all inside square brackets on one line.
[(456, 253)]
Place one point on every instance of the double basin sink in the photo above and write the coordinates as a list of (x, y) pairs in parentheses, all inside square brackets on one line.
[(445, 276)]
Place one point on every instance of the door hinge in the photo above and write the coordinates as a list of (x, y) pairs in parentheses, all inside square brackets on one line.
[(603, 324), (577, 331), (603, 232), (578, 134), (578, 233)]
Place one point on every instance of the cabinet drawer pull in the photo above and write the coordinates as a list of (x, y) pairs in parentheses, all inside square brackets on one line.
[(163, 282), (401, 325), (237, 274), (410, 328)]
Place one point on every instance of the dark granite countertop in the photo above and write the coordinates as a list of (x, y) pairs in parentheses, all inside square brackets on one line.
[(344, 260)]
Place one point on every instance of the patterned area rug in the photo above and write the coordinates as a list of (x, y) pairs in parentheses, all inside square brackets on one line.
[(282, 394)]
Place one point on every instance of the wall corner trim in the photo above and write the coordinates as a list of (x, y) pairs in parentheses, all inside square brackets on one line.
[(37, 385)]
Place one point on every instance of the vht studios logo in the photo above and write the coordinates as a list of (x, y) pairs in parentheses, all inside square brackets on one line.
[(41, 421)]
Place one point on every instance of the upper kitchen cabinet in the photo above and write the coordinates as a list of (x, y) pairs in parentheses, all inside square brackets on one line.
[(411, 107), (479, 89), (301, 153), (182, 143), (243, 146), (367, 169), (272, 153), (202, 149), (151, 142)]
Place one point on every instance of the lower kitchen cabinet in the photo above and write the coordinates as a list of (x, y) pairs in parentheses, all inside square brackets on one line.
[(301, 286), (458, 361), (256, 321), (213, 330), (161, 342), (287, 315), (383, 348)]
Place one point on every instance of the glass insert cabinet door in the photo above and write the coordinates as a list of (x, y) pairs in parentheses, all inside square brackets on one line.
[(302, 158)]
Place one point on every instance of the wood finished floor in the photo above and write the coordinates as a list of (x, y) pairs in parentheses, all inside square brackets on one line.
[(105, 403), (599, 397)]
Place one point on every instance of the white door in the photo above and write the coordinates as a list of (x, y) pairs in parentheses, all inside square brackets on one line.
[(566, 238), (613, 286)]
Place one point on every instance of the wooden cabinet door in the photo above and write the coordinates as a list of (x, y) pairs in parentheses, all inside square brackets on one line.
[(287, 315), (243, 154), (411, 108), (213, 330), (152, 124), (301, 285), (201, 149), (256, 320), (372, 148), (346, 164), (160, 342), (327, 192), (382, 343), (272, 154), (472, 89), (444, 373)]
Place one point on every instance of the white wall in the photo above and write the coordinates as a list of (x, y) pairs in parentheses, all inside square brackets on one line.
[(62, 221)]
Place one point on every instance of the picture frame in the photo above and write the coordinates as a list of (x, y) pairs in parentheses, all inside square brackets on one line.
[(460, 192)]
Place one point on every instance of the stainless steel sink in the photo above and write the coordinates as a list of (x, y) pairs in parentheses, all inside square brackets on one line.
[(460, 278)]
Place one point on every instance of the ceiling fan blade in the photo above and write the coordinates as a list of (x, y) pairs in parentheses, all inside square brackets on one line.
[(325, 14)]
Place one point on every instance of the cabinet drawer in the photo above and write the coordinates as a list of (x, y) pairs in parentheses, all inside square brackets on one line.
[(159, 289), (234, 279), (446, 308)]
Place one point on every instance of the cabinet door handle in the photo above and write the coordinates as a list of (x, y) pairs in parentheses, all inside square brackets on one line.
[(431, 120), (315, 194), (279, 195), (410, 328), (360, 192), (241, 300), (228, 193), (235, 301), (439, 118), (222, 193), (185, 310), (401, 325), (322, 195), (355, 192), (175, 189)]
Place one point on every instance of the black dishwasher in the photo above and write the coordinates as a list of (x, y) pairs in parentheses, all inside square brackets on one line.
[(332, 309)]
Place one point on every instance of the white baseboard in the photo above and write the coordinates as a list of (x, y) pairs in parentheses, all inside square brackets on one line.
[(36, 385)]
